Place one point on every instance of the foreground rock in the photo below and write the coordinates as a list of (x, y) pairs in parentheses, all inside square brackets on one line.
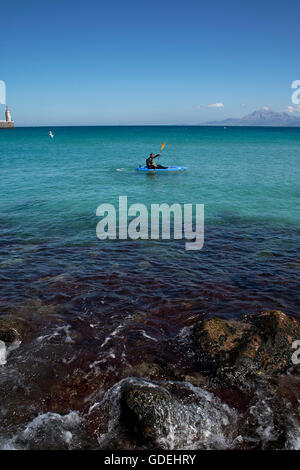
[(174, 415), (258, 346)]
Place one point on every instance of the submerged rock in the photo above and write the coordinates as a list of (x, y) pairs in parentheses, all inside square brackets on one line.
[(260, 345)]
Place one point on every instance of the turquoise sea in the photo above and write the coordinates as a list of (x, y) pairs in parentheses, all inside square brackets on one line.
[(91, 308), (247, 179), (50, 189)]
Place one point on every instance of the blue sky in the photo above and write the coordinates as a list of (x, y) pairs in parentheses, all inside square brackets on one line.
[(136, 62)]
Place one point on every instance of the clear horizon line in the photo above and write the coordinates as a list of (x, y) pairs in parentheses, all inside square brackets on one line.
[(150, 125)]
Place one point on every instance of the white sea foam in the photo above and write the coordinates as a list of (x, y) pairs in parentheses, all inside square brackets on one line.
[(206, 424), (6, 350), (64, 328), (46, 431), (293, 435), (3, 353), (263, 413), (148, 336)]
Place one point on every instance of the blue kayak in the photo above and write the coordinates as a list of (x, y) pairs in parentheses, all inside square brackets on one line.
[(171, 168)]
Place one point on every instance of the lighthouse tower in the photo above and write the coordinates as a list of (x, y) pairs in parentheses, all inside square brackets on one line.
[(8, 115), (8, 123)]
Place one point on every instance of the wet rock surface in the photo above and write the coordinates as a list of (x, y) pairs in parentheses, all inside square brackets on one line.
[(259, 346), (144, 411)]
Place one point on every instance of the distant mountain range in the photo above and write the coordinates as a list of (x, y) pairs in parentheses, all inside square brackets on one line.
[(261, 118)]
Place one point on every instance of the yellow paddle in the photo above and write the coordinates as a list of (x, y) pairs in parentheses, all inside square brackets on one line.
[(162, 147)]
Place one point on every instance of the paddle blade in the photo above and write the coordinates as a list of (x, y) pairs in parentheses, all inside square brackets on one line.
[(163, 146)]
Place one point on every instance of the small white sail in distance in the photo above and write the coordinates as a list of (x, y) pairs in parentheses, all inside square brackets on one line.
[(51, 135)]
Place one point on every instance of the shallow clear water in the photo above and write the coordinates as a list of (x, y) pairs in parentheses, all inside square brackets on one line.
[(105, 307)]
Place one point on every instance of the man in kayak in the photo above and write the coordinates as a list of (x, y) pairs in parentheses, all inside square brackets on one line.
[(150, 164)]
